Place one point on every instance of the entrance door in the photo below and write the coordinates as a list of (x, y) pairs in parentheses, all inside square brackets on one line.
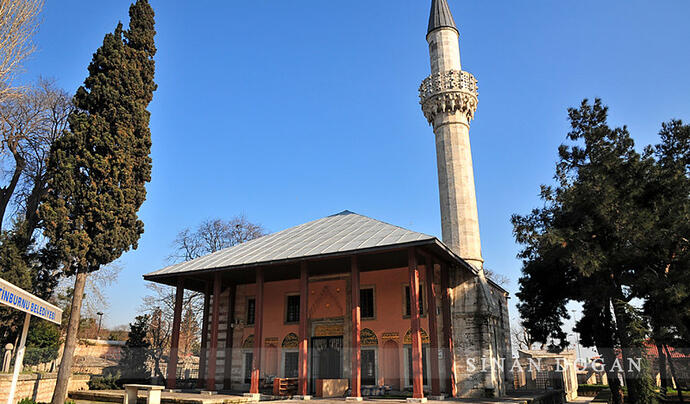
[(391, 368), (326, 358)]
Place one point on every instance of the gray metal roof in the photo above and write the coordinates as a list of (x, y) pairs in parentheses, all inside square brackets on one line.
[(343, 232), (440, 16)]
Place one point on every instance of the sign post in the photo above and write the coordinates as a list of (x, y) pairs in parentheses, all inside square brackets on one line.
[(22, 300)]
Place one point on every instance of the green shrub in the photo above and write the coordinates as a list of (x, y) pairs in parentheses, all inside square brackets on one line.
[(590, 390), (27, 400), (42, 342), (107, 382)]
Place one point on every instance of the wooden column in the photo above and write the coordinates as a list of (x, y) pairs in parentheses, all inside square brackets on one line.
[(213, 352), (356, 384), (204, 337), (229, 336), (303, 321), (417, 366), (175, 337), (448, 353), (258, 331), (433, 330)]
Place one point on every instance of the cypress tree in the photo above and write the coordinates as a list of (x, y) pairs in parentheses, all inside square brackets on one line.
[(99, 168)]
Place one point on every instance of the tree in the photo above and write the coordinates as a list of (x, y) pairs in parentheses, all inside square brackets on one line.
[(668, 255), (18, 24), (584, 245), (214, 235), (158, 336), (29, 124), (96, 284), (13, 269), (42, 342), (500, 279), (521, 337), (135, 355), (98, 169), (189, 334)]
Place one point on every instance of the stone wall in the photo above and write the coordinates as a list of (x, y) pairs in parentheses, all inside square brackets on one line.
[(92, 356), (38, 387)]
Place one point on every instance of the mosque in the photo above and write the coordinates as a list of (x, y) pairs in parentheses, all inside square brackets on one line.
[(354, 303)]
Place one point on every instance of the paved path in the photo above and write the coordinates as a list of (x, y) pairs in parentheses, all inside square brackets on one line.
[(117, 396)]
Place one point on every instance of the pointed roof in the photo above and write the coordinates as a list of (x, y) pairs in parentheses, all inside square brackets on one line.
[(343, 232), (440, 16)]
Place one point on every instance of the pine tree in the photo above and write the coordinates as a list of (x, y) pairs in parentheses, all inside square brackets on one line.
[(584, 244), (99, 168)]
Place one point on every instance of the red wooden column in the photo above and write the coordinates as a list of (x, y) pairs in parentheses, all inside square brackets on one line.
[(175, 337), (303, 342), (204, 337), (433, 330), (417, 367), (213, 352), (258, 331), (448, 353), (356, 384), (229, 334)]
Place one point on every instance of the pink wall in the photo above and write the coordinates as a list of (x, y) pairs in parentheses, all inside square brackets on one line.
[(328, 299)]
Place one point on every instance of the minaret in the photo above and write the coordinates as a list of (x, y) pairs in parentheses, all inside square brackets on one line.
[(449, 100)]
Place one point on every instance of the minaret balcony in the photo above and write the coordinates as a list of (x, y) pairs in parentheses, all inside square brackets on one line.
[(449, 92)]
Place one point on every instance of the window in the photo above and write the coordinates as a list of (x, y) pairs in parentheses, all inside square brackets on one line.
[(368, 367), (408, 310), (248, 363), (366, 302), (292, 309), (251, 307), (291, 364)]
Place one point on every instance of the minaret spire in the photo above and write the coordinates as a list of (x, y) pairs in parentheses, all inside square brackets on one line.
[(449, 100), (440, 16)]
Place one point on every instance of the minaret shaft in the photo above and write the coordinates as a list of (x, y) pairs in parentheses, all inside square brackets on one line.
[(449, 99)]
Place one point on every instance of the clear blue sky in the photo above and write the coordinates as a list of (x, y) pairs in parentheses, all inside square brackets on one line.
[(288, 111)]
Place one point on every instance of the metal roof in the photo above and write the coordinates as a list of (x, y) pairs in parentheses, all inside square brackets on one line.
[(440, 16), (343, 232)]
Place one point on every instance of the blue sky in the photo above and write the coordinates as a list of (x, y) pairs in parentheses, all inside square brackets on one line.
[(288, 111)]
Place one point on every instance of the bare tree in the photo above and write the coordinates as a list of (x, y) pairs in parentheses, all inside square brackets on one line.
[(29, 124), (496, 277), (213, 235), (159, 337), (189, 330), (18, 23), (56, 108), (521, 337), (94, 299)]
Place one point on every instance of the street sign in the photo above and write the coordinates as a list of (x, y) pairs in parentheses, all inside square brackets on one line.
[(22, 300)]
